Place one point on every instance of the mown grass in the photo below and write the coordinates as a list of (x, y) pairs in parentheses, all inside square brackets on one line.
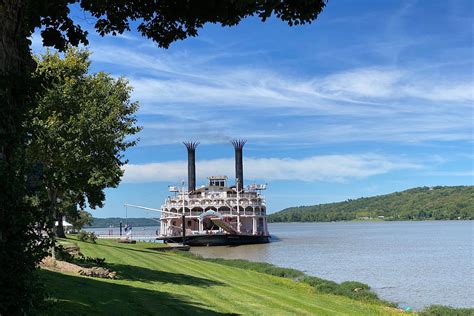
[(167, 283), (262, 267), (352, 289)]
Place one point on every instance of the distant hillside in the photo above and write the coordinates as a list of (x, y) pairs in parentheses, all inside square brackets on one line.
[(435, 203), (115, 222)]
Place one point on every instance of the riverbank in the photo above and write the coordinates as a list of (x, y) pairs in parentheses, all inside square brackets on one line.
[(151, 282)]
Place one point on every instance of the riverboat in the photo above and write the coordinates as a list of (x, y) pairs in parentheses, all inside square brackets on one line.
[(217, 213)]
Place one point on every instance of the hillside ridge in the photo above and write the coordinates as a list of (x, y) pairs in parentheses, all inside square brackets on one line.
[(421, 203)]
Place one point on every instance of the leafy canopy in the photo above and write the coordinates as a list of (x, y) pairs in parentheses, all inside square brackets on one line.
[(163, 21), (80, 128)]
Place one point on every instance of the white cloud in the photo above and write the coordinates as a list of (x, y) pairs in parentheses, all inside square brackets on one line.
[(330, 168), (363, 83)]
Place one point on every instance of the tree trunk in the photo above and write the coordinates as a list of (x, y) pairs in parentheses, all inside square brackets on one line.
[(60, 228), (19, 243)]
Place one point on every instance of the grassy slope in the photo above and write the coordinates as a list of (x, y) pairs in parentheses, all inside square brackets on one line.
[(167, 283)]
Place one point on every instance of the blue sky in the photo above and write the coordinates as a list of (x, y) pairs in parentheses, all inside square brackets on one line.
[(374, 97)]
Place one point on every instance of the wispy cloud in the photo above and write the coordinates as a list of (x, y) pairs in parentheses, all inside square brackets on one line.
[(214, 91), (360, 104), (462, 173), (330, 168)]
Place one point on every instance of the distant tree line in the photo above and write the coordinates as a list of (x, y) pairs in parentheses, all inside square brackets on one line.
[(424, 203), (115, 222)]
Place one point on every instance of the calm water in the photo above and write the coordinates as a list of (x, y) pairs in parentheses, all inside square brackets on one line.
[(414, 264)]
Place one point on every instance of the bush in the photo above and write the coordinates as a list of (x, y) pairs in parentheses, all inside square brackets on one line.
[(88, 261), (352, 289), (87, 237), (321, 285), (439, 310), (80, 259), (61, 254), (358, 290)]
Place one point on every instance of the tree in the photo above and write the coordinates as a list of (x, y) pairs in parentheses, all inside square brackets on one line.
[(80, 219), (163, 21), (81, 127)]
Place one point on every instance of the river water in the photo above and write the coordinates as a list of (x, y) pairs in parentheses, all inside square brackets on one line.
[(414, 264)]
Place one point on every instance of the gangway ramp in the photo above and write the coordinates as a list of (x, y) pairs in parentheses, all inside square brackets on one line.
[(225, 226)]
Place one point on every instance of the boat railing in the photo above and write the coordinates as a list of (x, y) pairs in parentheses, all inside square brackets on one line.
[(228, 203), (245, 212), (243, 195)]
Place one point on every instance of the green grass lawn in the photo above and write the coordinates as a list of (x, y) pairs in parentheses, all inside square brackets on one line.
[(167, 283)]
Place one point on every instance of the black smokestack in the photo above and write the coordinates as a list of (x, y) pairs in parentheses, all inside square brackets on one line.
[(191, 146), (239, 164)]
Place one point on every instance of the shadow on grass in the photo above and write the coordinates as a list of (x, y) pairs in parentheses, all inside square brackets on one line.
[(86, 296), (129, 247), (134, 273)]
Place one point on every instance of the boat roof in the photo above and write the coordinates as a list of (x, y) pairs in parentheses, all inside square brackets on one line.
[(217, 177)]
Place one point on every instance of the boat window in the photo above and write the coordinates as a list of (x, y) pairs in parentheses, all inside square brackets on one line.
[(216, 183)]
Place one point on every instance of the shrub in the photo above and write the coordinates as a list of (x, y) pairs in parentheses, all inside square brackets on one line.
[(80, 259), (439, 310), (321, 285), (358, 290), (89, 261), (87, 237), (352, 289), (61, 254)]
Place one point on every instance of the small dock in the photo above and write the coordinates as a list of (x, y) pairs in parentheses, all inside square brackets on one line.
[(133, 237)]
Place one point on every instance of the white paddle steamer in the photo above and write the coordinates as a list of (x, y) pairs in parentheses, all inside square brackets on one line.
[(217, 213)]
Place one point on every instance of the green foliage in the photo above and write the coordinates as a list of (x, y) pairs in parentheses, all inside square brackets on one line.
[(80, 259), (89, 261), (355, 290), (87, 236), (164, 21), (436, 203), (439, 310), (80, 219), (80, 129), (22, 213)]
